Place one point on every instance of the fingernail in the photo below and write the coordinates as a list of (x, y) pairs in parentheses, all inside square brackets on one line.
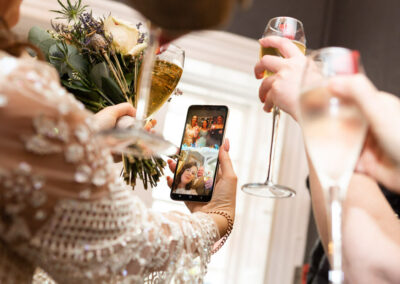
[(226, 145)]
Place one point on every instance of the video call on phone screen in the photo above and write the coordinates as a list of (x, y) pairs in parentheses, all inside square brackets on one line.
[(204, 131)]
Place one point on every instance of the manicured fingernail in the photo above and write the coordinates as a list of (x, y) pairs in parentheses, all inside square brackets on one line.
[(226, 145)]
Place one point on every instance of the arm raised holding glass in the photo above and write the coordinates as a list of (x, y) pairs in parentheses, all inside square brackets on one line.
[(380, 158), (281, 89), (367, 217)]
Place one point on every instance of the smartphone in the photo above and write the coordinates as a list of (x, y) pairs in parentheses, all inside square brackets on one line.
[(197, 167)]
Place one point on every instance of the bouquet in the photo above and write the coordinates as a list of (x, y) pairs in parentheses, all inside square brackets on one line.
[(98, 60)]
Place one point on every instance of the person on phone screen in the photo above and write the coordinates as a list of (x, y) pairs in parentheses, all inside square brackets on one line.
[(191, 132), (203, 183), (190, 181), (216, 132), (185, 178), (203, 133)]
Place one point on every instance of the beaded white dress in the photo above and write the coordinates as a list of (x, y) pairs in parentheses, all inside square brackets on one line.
[(64, 209)]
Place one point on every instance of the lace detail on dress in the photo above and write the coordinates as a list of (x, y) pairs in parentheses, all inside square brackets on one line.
[(41, 277), (75, 218), (23, 193)]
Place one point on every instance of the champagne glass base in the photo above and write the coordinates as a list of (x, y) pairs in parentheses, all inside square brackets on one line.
[(137, 142), (268, 190)]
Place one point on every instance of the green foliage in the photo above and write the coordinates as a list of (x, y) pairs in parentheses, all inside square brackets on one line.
[(99, 71), (67, 59), (94, 72), (69, 11), (112, 90), (42, 39)]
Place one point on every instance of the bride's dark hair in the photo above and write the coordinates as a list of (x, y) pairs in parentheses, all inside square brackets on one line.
[(10, 43)]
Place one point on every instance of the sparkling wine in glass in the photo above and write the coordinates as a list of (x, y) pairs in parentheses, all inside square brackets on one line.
[(292, 29), (334, 130), (166, 74), (159, 75), (167, 20)]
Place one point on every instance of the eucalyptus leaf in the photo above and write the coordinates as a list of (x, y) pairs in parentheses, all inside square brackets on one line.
[(72, 50), (112, 90), (98, 71), (67, 59), (45, 45), (36, 35), (42, 39), (79, 63), (57, 59)]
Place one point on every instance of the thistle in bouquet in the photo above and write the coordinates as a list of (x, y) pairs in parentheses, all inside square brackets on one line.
[(98, 60)]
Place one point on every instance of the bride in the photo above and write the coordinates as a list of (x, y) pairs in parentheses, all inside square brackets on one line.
[(62, 206)]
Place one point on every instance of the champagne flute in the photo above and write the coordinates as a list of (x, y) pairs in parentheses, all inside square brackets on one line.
[(167, 72), (292, 29), (160, 73), (334, 130), (171, 19)]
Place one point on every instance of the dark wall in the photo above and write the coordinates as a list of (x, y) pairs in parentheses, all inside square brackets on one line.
[(251, 23), (371, 26)]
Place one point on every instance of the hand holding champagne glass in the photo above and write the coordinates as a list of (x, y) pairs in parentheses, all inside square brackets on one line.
[(292, 29), (165, 75), (334, 129)]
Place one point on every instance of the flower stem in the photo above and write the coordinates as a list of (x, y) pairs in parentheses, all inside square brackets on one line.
[(112, 68), (121, 73)]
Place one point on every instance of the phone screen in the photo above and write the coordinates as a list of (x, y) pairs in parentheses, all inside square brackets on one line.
[(197, 166)]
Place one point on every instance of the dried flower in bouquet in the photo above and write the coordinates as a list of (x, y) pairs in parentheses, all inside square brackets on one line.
[(98, 60)]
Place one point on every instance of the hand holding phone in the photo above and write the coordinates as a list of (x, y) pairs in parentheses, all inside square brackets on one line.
[(202, 137), (224, 196)]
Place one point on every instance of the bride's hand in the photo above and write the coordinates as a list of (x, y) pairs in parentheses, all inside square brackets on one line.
[(120, 115), (107, 118), (224, 194)]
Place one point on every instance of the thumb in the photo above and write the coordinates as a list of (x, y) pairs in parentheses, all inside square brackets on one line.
[(225, 160)]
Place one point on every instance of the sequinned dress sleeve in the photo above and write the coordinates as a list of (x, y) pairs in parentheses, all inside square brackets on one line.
[(63, 207)]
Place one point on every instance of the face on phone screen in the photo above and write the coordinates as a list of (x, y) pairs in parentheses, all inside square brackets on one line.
[(196, 169)]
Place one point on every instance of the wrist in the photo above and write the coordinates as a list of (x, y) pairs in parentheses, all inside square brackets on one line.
[(225, 226), (221, 222)]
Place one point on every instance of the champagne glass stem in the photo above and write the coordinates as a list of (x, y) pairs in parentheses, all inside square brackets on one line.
[(276, 113), (146, 75), (335, 242)]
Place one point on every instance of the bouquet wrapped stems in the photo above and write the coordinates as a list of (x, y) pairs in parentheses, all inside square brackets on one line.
[(148, 170)]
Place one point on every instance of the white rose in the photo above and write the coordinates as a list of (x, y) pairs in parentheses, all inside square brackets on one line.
[(137, 49), (125, 35)]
